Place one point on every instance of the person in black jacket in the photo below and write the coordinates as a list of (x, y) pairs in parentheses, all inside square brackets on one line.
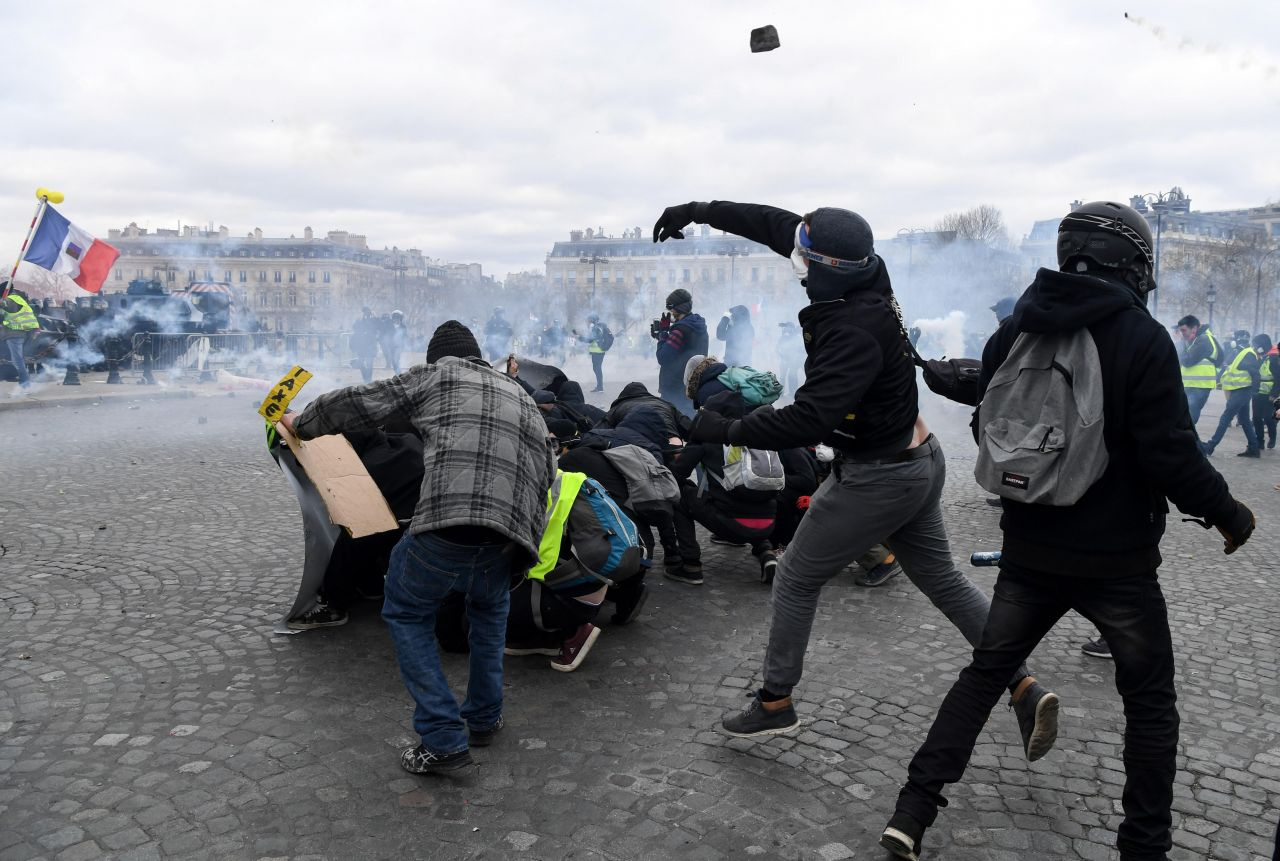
[(1099, 556), (860, 398), (1264, 411), (680, 334), (635, 395), (738, 334)]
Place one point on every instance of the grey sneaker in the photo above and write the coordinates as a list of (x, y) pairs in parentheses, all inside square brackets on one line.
[(755, 721), (1097, 649), (1037, 713), (421, 760)]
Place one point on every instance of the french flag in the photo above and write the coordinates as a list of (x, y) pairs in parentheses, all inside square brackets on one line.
[(61, 247)]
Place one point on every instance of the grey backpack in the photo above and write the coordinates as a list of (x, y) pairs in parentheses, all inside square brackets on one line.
[(1040, 421), (651, 488)]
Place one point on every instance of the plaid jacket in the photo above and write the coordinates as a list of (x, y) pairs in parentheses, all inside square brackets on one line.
[(487, 457)]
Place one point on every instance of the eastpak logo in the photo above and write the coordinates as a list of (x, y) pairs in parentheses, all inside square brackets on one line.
[(1012, 479)]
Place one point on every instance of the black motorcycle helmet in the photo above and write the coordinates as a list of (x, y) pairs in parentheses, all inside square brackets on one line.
[(1107, 236)]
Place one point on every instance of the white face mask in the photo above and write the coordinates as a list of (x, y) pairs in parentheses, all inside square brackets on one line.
[(799, 263)]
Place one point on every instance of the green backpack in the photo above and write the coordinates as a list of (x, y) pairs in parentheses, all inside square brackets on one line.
[(756, 387)]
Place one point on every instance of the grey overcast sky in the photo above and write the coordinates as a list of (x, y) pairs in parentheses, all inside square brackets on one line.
[(485, 131)]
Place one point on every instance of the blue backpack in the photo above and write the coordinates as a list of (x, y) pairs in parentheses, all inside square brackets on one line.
[(756, 387), (603, 545)]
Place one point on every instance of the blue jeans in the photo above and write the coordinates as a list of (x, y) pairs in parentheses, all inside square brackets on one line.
[(1130, 612), (424, 569), (1196, 399), (15, 346), (1237, 408)]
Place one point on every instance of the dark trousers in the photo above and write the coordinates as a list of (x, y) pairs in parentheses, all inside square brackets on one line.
[(784, 527), (542, 617), (597, 365), (696, 509), (1237, 408), (1264, 419), (1130, 612)]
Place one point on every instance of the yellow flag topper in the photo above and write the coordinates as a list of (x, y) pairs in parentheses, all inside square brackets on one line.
[(275, 403)]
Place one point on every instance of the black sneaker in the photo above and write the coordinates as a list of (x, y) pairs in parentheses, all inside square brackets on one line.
[(671, 561), (768, 566), (902, 836), (727, 542), (755, 721), (483, 737), (420, 760), (574, 650), (1097, 649), (1037, 713), (321, 615), (690, 573), (628, 609), (879, 575), (1250, 452)]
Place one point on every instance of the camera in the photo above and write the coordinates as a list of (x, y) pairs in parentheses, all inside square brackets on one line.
[(660, 325)]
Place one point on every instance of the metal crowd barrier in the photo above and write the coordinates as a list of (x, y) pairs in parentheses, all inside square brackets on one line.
[(242, 353)]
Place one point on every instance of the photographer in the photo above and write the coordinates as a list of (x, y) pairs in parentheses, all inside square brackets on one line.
[(681, 334)]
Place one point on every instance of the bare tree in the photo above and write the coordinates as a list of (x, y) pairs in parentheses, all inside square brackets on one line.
[(983, 223)]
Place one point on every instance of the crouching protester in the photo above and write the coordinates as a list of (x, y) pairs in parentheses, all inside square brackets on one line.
[(588, 546), (860, 398), (488, 462), (734, 503), (1083, 518)]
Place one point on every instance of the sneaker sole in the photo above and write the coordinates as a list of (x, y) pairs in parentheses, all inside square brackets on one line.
[(901, 845), (311, 626), (517, 653), (871, 584), (635, 611), (781, 730), (582, 653), (680, 579), (1046, 729), (441, 769), (1106, 656)]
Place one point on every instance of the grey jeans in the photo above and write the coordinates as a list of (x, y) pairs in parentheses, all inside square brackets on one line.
[(860, 505)]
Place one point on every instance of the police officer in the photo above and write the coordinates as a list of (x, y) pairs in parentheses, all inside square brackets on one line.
[(1264, 411), (17, 319), (1240, 381)]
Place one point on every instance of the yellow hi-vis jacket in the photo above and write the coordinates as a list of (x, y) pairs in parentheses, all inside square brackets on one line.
[(1268, 380), (1234, 378), (22, 320), (1204, 373), (560, 497)]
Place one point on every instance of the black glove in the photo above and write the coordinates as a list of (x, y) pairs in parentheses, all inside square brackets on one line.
[(1238, 530), (673, 221), (710, 426)]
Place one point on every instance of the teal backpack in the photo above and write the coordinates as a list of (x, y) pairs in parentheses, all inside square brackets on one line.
[(756, 387)]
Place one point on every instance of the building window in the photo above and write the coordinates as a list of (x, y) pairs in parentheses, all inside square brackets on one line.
[(573, 277), (119, 275), (685, 279), (277, 276), (293, 299), (262, 275), (311, 298), (755, 273), (277, 299), (671, 276), (191, 275), (262, 299), (325, 300), (706, 274), (171, 275), (244, 276), (311, 277), (326, 277), (720, 274), (293, 277)]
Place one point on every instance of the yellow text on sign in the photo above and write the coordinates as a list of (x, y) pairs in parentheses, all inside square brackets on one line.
[(277, 400)]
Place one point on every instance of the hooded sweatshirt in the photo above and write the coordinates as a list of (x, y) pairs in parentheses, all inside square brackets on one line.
[(634, 396), (1115, 528), (738, 334)]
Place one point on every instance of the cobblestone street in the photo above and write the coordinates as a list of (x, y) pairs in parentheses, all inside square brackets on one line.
[(147, 710)]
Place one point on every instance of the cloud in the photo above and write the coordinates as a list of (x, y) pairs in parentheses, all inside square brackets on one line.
[(485, 131)]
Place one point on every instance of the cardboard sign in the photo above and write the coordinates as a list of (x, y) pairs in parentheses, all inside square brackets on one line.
[(277, 400), (350, 495)]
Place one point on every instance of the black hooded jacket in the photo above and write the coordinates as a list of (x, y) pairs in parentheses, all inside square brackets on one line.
[(738, 335), (635, 395), (1116, 526), (859, 394)]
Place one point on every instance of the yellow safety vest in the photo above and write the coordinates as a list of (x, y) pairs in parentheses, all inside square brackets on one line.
[(1233, 378), (564, 490), (1204, 373), (22, 320), (1268, 381)]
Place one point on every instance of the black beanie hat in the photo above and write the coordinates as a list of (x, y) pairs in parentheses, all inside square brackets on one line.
[(680, 300), (451, 338), (844, 234)]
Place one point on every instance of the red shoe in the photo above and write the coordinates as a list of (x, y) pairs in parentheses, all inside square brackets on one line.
[(574, 650)]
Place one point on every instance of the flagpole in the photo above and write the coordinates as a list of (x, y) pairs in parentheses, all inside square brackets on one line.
[(42, 194)]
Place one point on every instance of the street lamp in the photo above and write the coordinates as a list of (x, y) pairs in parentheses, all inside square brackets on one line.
[(594, 260), (731, 254), (1257, 291), (1212, 295), (1158, 200), (910, 234)]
